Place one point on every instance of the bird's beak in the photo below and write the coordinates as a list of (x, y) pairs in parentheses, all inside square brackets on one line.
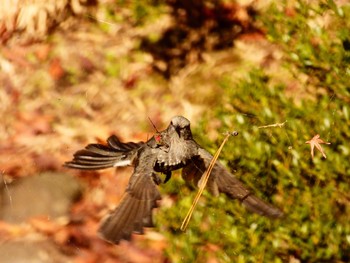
[(176, 128), (177, 131)]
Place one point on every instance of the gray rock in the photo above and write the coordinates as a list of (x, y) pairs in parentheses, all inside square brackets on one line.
[(47, 194), (29, 251)]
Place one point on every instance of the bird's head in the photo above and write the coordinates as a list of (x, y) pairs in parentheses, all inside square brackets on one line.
[(181, 126)]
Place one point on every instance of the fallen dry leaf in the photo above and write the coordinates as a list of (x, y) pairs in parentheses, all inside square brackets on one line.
[(44, 225), (56, 70), (316, 141)]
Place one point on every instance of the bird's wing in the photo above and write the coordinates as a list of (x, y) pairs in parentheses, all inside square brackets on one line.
[(223, 181), (98, 156), (114, 142), (135, 210)]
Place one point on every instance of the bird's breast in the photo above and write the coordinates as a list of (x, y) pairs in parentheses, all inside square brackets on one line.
[(177, 156)]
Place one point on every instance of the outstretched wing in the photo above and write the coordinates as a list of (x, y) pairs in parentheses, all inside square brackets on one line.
[(98, 156), (135, 210), (223, 181)]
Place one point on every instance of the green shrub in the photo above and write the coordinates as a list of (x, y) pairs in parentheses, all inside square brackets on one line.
[(275, 161)]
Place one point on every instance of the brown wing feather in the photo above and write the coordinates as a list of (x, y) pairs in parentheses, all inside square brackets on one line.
[(98, 156), (223, 181)]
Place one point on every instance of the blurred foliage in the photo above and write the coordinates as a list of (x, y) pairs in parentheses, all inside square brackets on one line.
[(199, 27), (136, 12), (275, 161), (316, 39)]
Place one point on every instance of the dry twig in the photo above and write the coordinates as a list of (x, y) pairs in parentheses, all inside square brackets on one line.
[(204, 181)]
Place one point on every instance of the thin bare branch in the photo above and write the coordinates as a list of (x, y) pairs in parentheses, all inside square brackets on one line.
[(280, 125), (205, 180)]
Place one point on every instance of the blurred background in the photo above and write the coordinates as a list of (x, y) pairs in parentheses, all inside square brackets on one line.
[(74, 72)]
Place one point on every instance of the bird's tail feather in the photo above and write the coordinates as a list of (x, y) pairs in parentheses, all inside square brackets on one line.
[(134, 212)]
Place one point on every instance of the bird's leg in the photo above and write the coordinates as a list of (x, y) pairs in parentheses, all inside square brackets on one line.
[(167, 177)]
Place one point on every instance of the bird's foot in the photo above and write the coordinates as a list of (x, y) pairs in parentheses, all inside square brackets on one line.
[(167, 177)]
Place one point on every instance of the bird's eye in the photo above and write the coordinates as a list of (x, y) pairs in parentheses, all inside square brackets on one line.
[(171, 123)]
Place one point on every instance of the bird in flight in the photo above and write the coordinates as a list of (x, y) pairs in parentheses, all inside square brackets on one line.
[(168, 150)]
